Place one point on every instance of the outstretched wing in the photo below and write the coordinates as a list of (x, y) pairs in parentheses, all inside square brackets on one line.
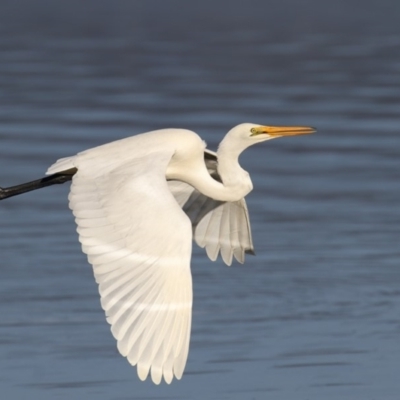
[(217, 226), (139, 242)]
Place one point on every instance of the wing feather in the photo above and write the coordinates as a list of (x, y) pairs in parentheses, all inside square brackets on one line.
[(225, 235), (212, 234), (141, 262)]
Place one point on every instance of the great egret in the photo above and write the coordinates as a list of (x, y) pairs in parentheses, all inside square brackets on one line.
[(138, 202)]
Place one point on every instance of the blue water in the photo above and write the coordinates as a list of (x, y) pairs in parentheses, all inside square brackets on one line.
[(316, 313)]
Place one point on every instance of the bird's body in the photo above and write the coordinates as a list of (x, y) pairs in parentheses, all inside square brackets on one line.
[(138, 202)]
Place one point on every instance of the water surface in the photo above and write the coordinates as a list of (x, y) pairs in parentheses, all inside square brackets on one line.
[(316, 314)]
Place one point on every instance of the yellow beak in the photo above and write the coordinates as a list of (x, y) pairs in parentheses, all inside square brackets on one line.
[(283, 130)]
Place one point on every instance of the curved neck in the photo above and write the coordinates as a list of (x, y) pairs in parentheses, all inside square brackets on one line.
[(228, 190), (187, 165), (235, 184), (229, 169)]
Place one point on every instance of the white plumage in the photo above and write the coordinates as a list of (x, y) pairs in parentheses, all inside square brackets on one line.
[(138, 202)]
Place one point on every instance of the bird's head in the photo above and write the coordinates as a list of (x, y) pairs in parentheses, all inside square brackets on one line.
[(260, 133), (244, 135)]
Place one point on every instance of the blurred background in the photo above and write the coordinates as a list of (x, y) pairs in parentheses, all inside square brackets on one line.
[(316, 313)]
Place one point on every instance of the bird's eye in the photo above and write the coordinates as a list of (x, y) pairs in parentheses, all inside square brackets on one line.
[(253, 131)]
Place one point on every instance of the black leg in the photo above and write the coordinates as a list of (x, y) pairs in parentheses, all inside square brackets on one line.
[(58, 178)]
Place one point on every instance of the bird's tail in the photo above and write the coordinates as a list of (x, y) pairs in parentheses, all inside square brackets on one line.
[(61, 165)]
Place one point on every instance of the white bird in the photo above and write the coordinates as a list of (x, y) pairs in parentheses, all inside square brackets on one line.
[(138, 202)]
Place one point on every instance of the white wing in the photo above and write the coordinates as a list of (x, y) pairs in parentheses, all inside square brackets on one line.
[(139, 242), (218, 226)]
